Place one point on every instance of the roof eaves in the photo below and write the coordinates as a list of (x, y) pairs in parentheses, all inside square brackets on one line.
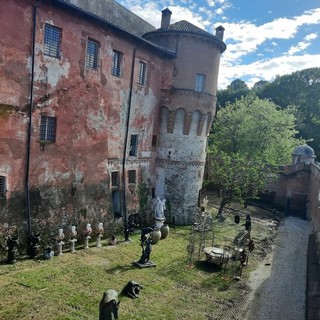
[(113, 26)]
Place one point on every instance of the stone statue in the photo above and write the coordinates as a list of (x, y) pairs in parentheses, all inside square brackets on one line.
[(160, 206)]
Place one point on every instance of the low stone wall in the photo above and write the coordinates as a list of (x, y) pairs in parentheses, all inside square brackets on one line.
[(313, 278)]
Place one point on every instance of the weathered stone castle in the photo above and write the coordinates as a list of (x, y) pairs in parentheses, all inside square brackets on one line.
[(95, 102)]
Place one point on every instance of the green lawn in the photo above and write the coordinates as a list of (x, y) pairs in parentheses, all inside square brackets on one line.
[(70, 286)]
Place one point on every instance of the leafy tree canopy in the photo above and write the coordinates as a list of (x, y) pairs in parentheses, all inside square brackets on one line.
[(300, 89), (250, 138)]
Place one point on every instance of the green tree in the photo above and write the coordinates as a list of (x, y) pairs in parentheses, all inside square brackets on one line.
[(250, 138), (235, 90), (301, 89)]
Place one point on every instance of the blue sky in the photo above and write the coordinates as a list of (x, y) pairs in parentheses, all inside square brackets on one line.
[(264, 38)]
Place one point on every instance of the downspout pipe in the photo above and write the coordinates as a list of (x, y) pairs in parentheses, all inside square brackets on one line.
[(27, 178), (124, 202)]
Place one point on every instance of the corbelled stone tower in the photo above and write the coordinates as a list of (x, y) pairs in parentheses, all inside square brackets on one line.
[(186, 112)]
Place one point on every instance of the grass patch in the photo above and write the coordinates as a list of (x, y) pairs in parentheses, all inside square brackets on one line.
[(70, 286)]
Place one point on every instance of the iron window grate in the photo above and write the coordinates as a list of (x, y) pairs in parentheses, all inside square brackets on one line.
[(3, 186), (48, 129), (116, 63), (142, 76), (115, 178), (52, 41), (92, 54)]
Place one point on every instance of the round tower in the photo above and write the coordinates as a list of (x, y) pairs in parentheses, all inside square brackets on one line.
[(186, 113)]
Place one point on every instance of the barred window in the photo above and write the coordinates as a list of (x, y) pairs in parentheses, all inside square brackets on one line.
[(48, 129), (133, 145), (52, 41), (142, 76), (116, 63), (92, 54), (115, 179), (3, 186), (200, 85), (132, 176)]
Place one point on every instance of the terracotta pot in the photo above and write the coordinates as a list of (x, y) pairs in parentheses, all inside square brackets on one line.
[(155, 235), (164, 231)]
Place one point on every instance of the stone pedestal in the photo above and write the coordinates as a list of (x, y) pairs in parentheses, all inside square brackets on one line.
[(72, 245), (60, 244), (86, 242)]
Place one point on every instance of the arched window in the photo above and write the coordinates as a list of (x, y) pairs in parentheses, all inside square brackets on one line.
[(179, 121)]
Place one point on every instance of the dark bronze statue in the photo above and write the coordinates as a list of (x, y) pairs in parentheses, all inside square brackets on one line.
[(109, 305), (132, 289), (146, 244)]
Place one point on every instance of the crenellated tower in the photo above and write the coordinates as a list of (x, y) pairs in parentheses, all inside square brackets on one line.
[(186, 112)]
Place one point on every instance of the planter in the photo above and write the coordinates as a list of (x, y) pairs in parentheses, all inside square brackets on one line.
[(155, 236), (164, 231)]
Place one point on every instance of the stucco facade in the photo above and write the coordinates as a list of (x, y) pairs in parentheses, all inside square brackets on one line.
[(90, 110)]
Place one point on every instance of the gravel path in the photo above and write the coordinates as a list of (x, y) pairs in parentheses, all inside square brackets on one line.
[(279, 283)]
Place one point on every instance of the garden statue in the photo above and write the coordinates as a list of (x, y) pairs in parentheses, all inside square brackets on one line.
[(99, 233), (109, 305), (60, 239), (48, 253), (34, 245), (132, 289), (12, 243), (73, 239), (204, 204), (160, 206), (87, 235), (248, 223), (146, 244)]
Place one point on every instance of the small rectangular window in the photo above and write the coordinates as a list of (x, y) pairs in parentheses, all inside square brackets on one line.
[(154, 141), (116, 63), (3, 186), (52, 41), (132, 176), (142, 76), (133, 145), (115, 179), (200, 83), (48, 129), (92, 54)]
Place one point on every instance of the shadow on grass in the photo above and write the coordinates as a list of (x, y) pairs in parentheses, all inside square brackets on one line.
[(208, 267), (120, 268)]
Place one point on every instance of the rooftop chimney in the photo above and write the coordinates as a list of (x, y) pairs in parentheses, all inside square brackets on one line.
[(219, 32), (165, 20)]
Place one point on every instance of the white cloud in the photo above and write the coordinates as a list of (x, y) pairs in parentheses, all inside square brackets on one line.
[(265, 69)]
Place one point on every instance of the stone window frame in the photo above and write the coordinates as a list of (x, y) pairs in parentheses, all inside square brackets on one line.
[(133, 149), (52, 41), (115, 178), (142, 73), (92, 54), (200, 82), (48, 129), (116, 67), (3, 186), (132, 177)]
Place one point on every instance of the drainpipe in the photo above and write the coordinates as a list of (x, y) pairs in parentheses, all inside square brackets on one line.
[(28, 209), (124, 202)]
